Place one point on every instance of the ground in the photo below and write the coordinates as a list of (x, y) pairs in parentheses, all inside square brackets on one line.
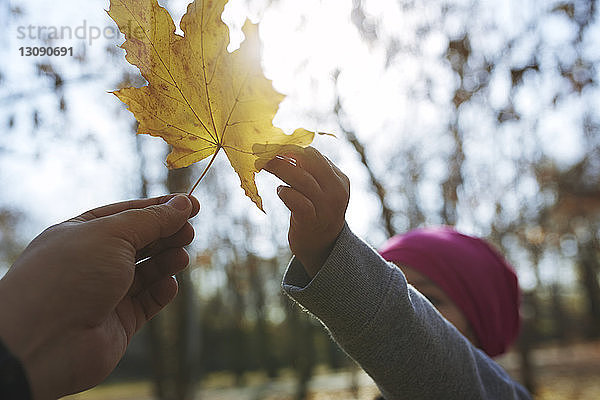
[(562, 373)]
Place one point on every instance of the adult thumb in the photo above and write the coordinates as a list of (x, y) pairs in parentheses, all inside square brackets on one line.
[(143, 226)]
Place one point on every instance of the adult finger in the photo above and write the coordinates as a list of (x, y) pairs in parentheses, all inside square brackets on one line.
[(116, 208), (150, 271), (149, 302), (143, 226), (181, 238)]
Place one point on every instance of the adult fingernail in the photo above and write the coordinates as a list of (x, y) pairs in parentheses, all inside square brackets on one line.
[(179, 202)]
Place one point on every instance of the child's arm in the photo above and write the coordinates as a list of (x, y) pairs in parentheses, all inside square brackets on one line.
[(317, 197), (388, 327)]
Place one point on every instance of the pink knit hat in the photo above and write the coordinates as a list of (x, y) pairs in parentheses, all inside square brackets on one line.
[(476, 277)]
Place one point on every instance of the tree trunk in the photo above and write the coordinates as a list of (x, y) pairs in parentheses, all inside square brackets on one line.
[(588, 269), (301, 349), (561, 318), (267, 359), (526, 340), (454, 180)]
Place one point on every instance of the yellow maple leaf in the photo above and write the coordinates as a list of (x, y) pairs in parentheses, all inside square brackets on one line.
[(200, 98)]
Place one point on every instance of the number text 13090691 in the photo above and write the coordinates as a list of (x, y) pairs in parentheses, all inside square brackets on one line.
[(46, 51)]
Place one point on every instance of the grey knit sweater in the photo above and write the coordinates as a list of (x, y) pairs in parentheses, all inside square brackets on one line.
[(392, 331)]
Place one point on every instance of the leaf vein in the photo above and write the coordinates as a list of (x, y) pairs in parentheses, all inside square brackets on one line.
[(167, 69), (235, 103), (212, 118)]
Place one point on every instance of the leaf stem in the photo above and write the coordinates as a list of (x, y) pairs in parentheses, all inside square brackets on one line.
[(205, 170)]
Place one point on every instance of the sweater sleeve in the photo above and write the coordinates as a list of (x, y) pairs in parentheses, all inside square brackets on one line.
[(392, 331), (13, 380)]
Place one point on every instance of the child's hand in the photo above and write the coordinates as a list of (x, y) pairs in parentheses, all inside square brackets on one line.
[(317, 196)]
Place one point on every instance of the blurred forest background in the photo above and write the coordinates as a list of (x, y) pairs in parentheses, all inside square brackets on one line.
[(478, 114)]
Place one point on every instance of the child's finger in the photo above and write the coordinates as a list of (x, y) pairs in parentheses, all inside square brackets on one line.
[(295, 177), (338, 171), (315, 163), (345, 181), (303, 210)]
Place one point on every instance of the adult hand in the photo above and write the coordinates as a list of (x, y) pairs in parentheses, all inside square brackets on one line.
[(317, 196), (71, 303)]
